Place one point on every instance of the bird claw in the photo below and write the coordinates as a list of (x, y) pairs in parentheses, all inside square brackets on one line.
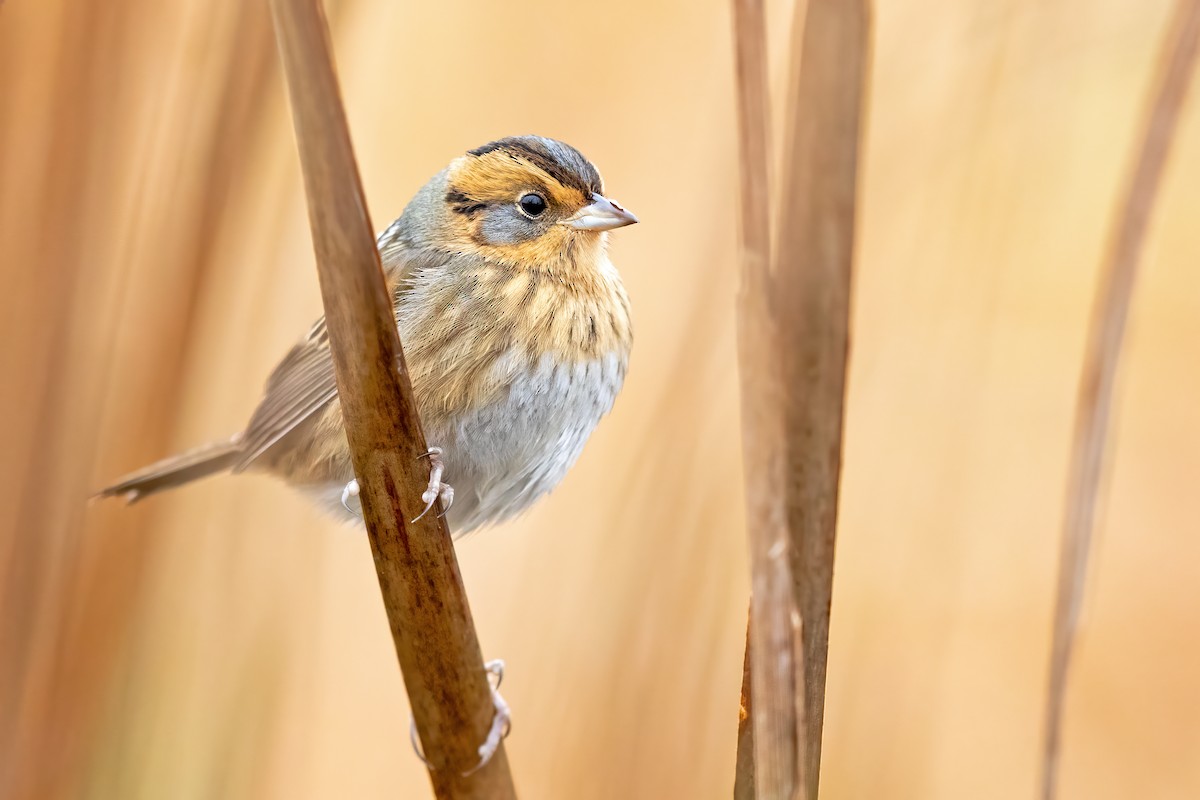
[(436, 487), (501, 722), (351, 490)]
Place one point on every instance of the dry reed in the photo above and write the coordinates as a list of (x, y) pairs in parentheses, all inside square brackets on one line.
[(1094, 403), (771, 719), (794, 315), (418, 573)]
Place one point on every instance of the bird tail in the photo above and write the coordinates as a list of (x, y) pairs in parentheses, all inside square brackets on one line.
[(175, 471)]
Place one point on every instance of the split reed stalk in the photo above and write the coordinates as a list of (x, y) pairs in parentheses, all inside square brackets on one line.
[(794, 312)]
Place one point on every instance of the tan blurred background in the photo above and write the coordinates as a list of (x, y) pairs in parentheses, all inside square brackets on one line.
[(226, 641)]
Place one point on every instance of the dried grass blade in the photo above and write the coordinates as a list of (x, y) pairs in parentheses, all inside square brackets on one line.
[(1094, 405)]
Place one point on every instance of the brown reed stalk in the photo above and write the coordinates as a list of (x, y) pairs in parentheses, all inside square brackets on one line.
[(1094, 404), (422, 589), (814, 260), (770, 727), (793, 337)]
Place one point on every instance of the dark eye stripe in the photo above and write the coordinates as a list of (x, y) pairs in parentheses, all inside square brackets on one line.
[(462, 204)]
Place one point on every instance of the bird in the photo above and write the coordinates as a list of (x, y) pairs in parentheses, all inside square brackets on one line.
[(516, 329)]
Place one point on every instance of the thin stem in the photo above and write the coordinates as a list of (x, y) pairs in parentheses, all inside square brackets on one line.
[(1094, 405)]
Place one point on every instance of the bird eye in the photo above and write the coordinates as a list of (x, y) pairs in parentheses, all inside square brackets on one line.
[(532, 204)]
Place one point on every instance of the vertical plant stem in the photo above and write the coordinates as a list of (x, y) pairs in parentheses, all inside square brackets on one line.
[(814, 260), (1094, 404), (770, 728), (794, 309), (422, 589)]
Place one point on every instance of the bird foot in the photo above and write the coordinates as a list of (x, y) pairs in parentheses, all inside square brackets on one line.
[(351, 490), (436, 487), (501, 722)]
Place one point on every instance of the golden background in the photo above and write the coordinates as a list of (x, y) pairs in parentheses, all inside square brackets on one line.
[(226, 641)]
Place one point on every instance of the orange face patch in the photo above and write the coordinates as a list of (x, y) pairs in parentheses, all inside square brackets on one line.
[(503, 176)]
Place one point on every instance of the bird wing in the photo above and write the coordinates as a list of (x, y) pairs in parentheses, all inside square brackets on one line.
[(302, 384)]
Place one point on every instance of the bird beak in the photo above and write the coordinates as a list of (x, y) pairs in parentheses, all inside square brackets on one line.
[(601, 214)]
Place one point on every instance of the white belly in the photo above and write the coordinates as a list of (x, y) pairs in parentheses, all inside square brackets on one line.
[(503, 457)]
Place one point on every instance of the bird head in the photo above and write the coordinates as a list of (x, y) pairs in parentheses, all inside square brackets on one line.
[(526, 201)]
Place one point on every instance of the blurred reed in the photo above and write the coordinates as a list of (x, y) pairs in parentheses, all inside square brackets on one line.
[(1175, 70), (91, 175)]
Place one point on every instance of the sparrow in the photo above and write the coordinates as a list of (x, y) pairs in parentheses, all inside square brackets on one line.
[(516, 330)]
